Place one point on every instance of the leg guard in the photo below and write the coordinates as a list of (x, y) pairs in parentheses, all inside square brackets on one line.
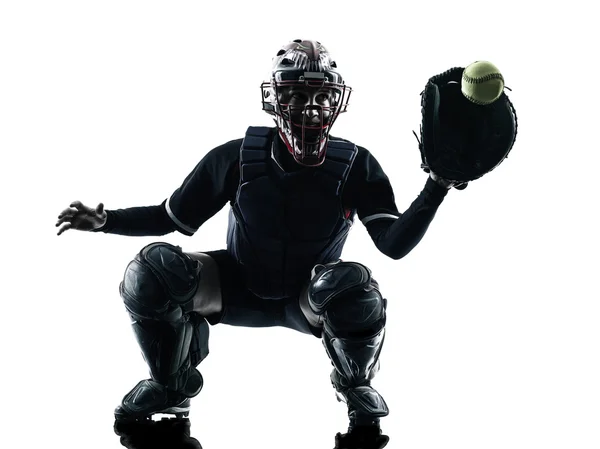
[(157, 290), (353, 314)]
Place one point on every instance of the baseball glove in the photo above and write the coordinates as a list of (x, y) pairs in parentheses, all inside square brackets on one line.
[(460, 140)]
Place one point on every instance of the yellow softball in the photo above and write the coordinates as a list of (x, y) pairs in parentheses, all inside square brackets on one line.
[(482, 83)]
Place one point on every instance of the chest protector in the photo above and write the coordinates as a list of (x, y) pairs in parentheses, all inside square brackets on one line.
[(282, 224)]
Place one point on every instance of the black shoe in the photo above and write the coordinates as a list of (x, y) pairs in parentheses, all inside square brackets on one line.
[(367, 437), (163, 434), (148, 398)]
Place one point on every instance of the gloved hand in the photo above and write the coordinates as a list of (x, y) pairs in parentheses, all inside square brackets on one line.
[(460, 140)]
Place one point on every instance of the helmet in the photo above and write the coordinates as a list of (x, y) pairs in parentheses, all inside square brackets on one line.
[(305, 94)]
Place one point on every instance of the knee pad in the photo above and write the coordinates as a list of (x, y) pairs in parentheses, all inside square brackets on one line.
[(348, 299), (160, 282)]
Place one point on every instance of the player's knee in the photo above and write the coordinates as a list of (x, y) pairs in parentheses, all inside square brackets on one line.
[(348, 298), (159, 281)]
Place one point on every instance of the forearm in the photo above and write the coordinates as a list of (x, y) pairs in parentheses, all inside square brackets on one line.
[(396, 238), (138, 221)]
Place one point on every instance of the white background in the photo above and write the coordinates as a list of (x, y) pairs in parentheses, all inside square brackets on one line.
[(493, 335)]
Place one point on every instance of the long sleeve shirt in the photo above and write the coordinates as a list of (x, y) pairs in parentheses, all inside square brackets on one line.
[(214, 182)]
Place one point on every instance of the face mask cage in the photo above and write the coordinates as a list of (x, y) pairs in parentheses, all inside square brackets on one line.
[(305, 109)]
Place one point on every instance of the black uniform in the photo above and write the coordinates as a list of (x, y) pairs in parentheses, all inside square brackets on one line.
[(261, 299)]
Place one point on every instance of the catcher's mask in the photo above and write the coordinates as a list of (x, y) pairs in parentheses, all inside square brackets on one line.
[(305, 94)]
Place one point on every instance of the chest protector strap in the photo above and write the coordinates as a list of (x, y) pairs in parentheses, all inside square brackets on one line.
[(255, 152)]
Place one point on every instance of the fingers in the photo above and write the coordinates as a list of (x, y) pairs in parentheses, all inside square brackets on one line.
[(78, 206), (82, 207), (68, 212), (99, 208), (65, 227), (64, 218)]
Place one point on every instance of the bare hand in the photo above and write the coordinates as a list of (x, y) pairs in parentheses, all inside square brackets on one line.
[(81, 217)]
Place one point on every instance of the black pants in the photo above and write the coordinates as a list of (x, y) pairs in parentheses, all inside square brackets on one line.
[(243, 308)]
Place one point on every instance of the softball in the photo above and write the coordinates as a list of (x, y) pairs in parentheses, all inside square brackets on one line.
[(482, 83)]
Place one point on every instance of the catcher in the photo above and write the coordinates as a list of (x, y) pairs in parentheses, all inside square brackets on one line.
[(294, 192)]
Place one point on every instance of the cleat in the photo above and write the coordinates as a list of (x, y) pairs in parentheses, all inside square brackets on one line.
[(149, 398), (367, 437)]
